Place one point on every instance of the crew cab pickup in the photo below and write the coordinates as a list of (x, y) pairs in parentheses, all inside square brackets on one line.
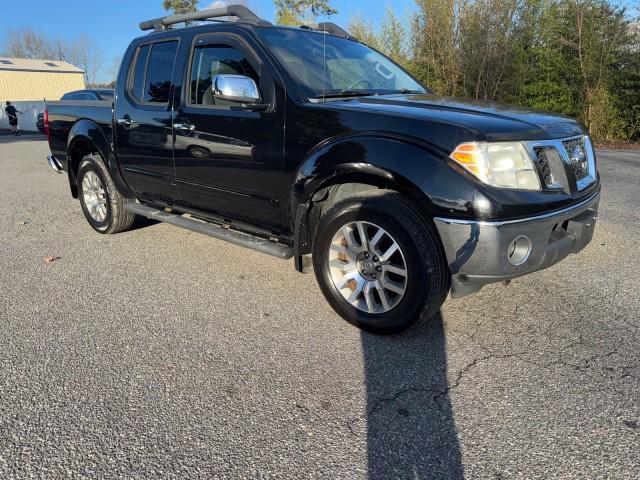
[(304, 143)]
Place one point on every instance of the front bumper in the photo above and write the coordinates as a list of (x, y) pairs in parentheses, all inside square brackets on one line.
[(479, 252)]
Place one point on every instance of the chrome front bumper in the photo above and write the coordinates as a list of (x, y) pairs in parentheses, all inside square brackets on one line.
[(479, 252)]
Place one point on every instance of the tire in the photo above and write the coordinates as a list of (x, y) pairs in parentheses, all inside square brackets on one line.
[(95, 187), (417, 266)]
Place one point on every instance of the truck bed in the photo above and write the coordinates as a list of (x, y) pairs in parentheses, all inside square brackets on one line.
[(63, 115)]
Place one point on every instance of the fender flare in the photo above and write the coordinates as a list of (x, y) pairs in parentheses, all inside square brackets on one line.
[(384, 160), (91, 135)]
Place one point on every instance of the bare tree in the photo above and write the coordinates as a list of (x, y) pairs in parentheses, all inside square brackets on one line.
[(83, 52), (435, 40), (394, 37), (363, 30), (27, 43)]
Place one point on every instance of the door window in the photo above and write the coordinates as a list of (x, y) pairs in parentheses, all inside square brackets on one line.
[(158, 80), (137, 75), (212, 60), (152, 71)]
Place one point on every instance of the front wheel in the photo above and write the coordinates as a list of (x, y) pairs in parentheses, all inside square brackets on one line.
[(379, 263), (102, 204)]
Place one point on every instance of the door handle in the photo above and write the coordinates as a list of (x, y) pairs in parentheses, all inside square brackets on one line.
[(125, 122), (185, 127)]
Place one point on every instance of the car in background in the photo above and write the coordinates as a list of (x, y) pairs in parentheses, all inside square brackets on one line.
[(100, 94), (40, 122)]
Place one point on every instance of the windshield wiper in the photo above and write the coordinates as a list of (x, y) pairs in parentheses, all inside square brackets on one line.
[(348, 93), (403, 91)]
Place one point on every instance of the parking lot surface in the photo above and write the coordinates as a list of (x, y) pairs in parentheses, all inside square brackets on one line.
[(163, 353)]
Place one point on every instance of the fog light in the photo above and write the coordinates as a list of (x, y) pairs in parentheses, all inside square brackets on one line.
[(519, 250)]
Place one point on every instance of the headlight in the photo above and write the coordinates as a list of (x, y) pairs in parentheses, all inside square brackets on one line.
[(500, 164)]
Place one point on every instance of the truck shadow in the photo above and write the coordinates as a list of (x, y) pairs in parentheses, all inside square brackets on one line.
[(411, 432), (142, 222)]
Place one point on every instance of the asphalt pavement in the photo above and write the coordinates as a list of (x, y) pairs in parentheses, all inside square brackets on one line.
[(161, 353)]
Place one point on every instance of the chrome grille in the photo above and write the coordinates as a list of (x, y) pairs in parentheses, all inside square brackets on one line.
[(551, 167), (578, 158), (567, 164), (543, 165)]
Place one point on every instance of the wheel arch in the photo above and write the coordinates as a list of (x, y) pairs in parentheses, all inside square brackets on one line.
[(87, 137), (341, 167)]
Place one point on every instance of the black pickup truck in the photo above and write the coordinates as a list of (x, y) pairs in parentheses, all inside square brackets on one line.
[(305, 143)]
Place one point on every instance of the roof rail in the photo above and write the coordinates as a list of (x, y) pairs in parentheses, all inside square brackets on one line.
[(240, 11)]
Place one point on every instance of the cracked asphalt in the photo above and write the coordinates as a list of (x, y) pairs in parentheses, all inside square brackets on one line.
[(160, 353)]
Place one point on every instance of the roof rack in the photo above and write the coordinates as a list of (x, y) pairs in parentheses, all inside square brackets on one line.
[(243, 13), (332, 29)]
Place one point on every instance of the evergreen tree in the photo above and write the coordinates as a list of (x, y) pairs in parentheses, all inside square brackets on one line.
[(300, 12), (180, 6)]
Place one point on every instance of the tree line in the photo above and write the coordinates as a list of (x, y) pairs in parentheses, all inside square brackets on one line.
[(579, 58), (82, 51)]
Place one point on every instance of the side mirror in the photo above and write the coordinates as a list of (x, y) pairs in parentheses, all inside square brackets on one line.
[(236, 88)]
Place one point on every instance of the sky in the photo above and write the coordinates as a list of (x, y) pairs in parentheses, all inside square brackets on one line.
[(113, 24)]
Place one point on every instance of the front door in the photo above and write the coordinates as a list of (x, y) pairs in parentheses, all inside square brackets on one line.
[(228, 160), (144, 122)]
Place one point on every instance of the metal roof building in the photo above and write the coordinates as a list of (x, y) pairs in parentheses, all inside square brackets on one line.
[(23, 79)]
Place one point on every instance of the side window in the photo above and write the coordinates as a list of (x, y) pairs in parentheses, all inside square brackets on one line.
[(137, 75), (212, 60), (150, 80)]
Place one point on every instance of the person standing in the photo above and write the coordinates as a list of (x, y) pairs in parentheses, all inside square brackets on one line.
[(12, 113)]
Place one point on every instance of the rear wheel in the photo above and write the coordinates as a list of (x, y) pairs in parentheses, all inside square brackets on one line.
[(379, 263), (102, 204)]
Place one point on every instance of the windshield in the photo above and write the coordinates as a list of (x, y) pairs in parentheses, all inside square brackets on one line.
[(350, 69)]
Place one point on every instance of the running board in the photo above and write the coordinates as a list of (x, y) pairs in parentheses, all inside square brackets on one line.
[(212, 230)]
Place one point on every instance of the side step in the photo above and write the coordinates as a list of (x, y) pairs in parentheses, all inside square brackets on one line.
[(212, 230)]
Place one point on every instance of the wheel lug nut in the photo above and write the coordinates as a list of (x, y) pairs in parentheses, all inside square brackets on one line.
[(379, 269), (366, 255), (375, 259), (364, 272), (374, 275)]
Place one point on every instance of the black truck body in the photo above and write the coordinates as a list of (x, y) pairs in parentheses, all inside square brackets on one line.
[(270, 170)]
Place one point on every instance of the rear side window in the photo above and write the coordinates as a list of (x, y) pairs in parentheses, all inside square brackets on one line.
[(139, 67), (157, 85), (153, 67)]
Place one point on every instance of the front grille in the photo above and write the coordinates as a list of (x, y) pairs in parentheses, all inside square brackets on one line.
[(578, 157), (551, 168), (566, 164), (545, 167)]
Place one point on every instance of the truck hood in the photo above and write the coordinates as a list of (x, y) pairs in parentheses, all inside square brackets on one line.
[(484, 120)]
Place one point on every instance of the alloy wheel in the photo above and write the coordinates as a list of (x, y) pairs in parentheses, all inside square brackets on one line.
[(94, 196), (368, 268)]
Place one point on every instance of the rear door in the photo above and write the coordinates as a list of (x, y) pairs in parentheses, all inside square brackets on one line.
[(144, 121), (230, 161)]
